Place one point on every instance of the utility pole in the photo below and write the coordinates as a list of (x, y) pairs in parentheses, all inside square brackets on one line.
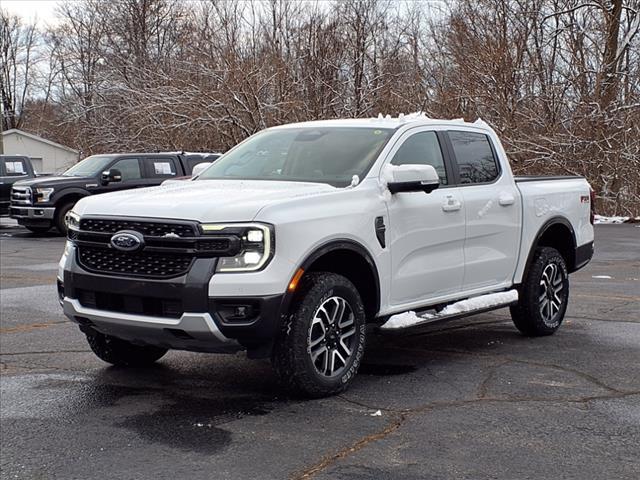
[(1, 130)]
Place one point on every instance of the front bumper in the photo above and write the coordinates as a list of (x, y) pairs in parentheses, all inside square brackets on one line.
[(192, 331), (175, 313), (31, 213)]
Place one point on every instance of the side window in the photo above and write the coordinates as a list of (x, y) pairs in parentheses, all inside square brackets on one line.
[(14, 167), (422, 148), (129, 167), (474, 157), (160, 167)]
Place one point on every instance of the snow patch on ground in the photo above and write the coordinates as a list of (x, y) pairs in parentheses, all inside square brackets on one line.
[(602, 276), (600, 219), (407, 319)]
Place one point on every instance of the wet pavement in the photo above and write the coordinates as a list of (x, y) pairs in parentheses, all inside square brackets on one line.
[(470, 399)]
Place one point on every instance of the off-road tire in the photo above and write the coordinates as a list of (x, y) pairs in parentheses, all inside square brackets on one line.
[(292, 354), (61, 213), (122, 353), (528, 314), (38, 230)]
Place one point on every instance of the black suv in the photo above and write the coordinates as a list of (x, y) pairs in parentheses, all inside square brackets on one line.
[(41, 203)]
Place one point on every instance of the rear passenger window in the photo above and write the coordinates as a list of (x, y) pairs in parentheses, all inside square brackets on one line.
[(160, 167), (423, 149), (14, 167), (474, 156)]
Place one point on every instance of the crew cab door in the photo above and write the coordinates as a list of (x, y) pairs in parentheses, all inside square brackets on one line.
[(131, 170), (492, 210), (426, 231), (159, 169)]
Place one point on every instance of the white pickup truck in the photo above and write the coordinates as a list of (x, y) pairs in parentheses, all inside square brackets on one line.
[(303, 238)]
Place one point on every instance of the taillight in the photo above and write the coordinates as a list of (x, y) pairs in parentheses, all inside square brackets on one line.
[(592, 195)]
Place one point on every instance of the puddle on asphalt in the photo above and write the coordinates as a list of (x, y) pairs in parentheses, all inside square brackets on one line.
[(183, 416)]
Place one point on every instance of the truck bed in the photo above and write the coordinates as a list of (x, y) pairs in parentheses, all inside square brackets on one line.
[(542, 178)]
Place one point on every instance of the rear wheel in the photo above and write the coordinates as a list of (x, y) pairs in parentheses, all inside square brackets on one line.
[(322, 341), (60, 217), (122, 353), (544, 294)]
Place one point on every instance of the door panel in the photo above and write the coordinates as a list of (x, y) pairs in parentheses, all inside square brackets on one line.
[(492, 212), (426, 241), (131, 176), (426, 230), (159, 169)]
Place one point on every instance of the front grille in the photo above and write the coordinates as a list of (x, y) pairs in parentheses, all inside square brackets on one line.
[(133, 304), (21, 195), (151, 229), (169, 250), (145, 264)]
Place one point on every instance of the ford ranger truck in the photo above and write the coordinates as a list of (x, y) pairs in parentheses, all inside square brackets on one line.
[(305, 237)]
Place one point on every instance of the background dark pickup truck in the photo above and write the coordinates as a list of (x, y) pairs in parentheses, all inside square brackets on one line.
[(12, 169), (42, 203)]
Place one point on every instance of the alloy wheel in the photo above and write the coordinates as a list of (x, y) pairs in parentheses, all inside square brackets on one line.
[(551, 295), (332, 336)]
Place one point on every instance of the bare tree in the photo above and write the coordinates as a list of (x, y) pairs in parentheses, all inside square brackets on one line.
[(17, 59)]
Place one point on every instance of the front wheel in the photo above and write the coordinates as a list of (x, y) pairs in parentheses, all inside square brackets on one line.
[(322, 341), (60, 219), (544, 294), (122, 353)]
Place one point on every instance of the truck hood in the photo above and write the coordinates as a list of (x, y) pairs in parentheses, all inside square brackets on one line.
[(200, 200), (46, 182)]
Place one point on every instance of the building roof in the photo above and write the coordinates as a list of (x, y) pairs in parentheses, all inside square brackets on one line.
[(37, 138)]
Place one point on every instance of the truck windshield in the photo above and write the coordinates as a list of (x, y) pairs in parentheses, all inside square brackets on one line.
[(88, 167), (330, 155)]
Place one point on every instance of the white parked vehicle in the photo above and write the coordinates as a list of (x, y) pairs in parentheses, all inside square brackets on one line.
[(300, 239)]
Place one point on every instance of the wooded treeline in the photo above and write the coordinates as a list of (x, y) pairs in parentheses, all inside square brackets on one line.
[(558, 79)]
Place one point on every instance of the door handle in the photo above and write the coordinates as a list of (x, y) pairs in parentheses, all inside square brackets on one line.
[(506, 199), (451, 204)]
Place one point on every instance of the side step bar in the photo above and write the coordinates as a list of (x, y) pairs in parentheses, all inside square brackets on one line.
[(410, 322)]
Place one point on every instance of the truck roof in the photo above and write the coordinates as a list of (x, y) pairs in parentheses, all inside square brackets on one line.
[(413, 119)]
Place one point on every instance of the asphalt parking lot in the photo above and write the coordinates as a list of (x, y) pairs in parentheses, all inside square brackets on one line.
[(470, 400)]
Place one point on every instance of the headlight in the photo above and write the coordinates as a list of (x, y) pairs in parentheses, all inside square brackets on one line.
[(43, 194), (73, 220), (256, 245)]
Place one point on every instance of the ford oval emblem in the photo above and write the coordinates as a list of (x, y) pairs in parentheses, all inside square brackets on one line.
[(127, 241)]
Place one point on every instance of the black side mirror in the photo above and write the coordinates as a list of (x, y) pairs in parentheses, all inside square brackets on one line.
[(112, 175)]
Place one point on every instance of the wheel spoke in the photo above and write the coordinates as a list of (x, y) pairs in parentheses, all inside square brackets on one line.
[(543, 307), (344, 337), (341, 305), (348, 321), (332, 362), (337, 354), (317, 352), (315, 326)]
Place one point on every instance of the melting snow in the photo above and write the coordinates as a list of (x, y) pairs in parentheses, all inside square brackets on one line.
[(409, 318), (601, 276), (601, 219)]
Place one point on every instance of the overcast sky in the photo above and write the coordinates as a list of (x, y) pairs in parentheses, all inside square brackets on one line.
[(42, 10)]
